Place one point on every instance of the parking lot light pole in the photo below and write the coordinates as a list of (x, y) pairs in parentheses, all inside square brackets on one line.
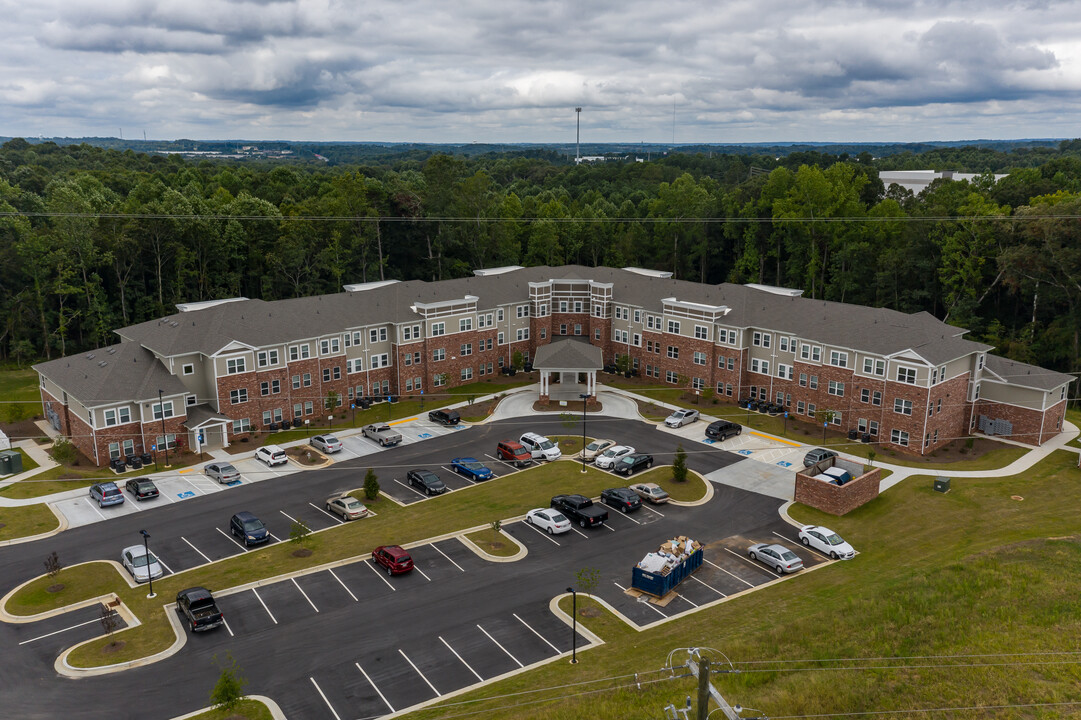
[(146, 548), (164, 439), (574, 626), (585, 399)]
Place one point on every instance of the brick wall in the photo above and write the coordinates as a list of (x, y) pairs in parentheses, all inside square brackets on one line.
[(837, 499), (1026, 422)]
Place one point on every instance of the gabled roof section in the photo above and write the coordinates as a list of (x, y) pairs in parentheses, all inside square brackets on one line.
[(1022, 374), (119, 373), (568, 355)]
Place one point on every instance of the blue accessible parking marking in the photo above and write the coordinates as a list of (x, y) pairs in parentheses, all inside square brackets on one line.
[(709, 441), (458, 427), (232, 484), (745, 452), (784, 463), (186, 494), (424, 436)]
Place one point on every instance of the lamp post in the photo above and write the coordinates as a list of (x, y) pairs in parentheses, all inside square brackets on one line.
[(574, 626), (164, 439), (578, 135), (146, 548), (585, 399)]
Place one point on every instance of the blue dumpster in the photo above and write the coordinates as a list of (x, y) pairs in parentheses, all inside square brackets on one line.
[(660, 585)]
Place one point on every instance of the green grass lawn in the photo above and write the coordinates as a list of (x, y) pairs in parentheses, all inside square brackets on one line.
[(569, 445), (49, 481), (247, 710), (478, 505), (493, 543), (693, 489), (969, 573), (1074, 415), (17, 522), (19, 389)]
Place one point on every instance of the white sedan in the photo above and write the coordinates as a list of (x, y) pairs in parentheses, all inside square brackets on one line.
[(611, 456), (140, 564), (681, 417), (551, 521), (826, 542)]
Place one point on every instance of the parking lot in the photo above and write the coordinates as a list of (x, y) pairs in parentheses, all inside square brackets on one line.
[(191, 482), (382, 674)]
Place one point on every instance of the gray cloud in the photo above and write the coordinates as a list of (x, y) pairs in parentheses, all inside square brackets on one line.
[(745, 70)]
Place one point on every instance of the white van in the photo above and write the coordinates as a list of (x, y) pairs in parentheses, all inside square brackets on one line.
[(540, 447)]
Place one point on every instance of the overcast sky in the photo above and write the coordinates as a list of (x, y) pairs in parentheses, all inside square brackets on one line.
[(512, 71)]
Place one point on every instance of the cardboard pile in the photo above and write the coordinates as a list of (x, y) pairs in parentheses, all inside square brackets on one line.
[(669, 555)]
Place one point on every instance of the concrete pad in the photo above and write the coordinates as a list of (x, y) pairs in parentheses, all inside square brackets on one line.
[(759, 477)]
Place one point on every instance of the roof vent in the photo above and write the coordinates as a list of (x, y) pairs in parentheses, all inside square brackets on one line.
[(111, 351), (102, 363), (174, 323), (90, 356)]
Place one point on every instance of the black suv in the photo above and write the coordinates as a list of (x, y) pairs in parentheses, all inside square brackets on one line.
[(723, 429), (630, 464), (427, 481), (622, 499), (248, 528), (445, 417)]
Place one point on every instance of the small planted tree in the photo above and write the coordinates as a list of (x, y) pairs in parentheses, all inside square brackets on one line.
[(371, 485), (496, 524), (871, 456), (229, 690), (299, 533), (623, 365), (110, 619), (52, 565), (517, 360), (679, 465), (587, 579)]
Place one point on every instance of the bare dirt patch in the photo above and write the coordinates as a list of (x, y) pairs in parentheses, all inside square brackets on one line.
[(55, 588), (113, 647), (302, 553)]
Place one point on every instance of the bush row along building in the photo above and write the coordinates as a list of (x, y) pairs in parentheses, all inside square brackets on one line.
[(220, 369)]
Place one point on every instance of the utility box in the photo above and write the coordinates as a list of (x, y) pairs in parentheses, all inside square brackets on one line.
[(942, 484), (11, 462)]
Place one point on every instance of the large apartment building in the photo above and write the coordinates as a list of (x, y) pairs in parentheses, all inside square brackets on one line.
[(215, 370)]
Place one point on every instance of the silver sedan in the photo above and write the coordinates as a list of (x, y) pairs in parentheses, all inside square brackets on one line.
[(142, 565), (223, 472), (326, 443)]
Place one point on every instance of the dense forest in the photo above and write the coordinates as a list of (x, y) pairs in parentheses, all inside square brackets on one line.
[(92, 239)]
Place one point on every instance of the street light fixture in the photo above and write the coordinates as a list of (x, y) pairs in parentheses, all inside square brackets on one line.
[(146, 548), (574, 626), (164, 438), (585, 399)]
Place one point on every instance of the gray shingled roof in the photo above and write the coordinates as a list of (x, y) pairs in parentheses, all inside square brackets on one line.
[(198, 414), (118, 373), (1019, 373), (568, 355), (260, 323)]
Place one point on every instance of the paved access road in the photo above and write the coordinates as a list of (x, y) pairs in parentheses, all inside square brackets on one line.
[(354, 642)]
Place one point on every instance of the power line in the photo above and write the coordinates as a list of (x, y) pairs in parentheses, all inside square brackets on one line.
[(961, 708)]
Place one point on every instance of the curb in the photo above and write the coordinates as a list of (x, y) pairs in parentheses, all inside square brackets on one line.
[(275, 710), (7, 617), (522, 549), (61, 526)]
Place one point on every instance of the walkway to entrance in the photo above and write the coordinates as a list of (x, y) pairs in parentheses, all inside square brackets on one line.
[(575, 362)]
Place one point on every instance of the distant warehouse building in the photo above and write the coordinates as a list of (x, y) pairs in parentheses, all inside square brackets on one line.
[(216, 370)]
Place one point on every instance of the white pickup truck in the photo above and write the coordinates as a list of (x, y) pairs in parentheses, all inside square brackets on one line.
[(382, 434)]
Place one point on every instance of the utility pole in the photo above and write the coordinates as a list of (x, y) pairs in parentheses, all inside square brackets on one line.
[(700, 668), (703, 688), (578, 136)]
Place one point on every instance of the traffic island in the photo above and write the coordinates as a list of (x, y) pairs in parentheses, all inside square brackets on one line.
[(307, 457)]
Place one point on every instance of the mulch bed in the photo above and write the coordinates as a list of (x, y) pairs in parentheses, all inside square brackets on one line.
[(113, 647), (572, 406), (55, 588), (302, 553), (305, 455)]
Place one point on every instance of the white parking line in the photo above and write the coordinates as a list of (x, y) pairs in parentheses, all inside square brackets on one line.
[(276, 538), (226, 622), (448, 558), (305, 595), (650, 605), (320, 691), (753, 563), (380, 576), (709, 586), (375, 687), (463, 477), (335, 517), (607, 526), (438, 694), (500, 646), (230, 538), (805, 547), (737, 577), (162, 563), (410, 487), (468, 667), (194, 486), (690, 601), (622, 514), (57, 632), (331, 571), (91, 504), (421, 572), (291, 518), (542, 532), (655, 512), (536, 633), (579, 531), (195, 548), (264, 606)]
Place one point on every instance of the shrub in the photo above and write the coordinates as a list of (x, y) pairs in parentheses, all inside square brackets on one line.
[(299, 532), (371, 485), (679, 465), (64, 452), (229, 690), (496, 524), (52, 565)]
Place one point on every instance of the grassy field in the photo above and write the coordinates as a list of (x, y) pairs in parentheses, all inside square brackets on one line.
[(19, 390), (247, 710), (478, 505), (493, 543), (17, 522), (569, 445), (972, 573), (50, 481)]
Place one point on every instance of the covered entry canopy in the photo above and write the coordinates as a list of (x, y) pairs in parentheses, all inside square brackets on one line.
[(569, 358), (206, 428)]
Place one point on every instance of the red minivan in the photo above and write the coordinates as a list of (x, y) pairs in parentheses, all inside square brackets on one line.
[(395, 559), (513, 452)]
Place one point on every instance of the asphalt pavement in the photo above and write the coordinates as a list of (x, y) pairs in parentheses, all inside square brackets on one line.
[(353, 642)]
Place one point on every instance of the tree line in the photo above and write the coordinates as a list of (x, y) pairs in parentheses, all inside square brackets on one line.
[(93, 239)]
